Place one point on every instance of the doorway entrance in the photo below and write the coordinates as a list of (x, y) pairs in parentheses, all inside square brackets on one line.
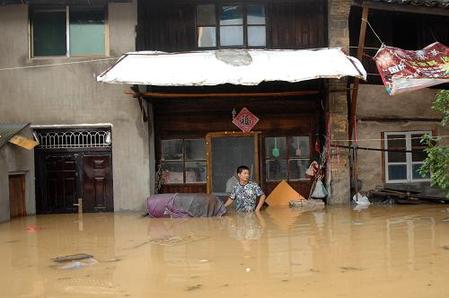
[(225, 152), (17, 205), (73, 164)]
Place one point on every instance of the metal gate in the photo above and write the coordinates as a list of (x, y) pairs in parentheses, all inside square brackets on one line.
[(72, 164)]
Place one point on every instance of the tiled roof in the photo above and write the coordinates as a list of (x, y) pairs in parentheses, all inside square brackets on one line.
[(7, 131)]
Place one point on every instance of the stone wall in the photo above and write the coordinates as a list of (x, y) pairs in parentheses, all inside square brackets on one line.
[(338, 175)]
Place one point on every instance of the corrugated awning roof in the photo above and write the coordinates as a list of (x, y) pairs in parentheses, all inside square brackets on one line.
[(427, 3), (238, 67), (8, 130)]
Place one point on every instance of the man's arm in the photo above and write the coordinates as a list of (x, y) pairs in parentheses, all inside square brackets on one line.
[(260, 218), (261, 201), (228, 202)]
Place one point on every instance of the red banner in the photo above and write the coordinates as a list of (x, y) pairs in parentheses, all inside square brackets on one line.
[(405, 70), (245, 120)]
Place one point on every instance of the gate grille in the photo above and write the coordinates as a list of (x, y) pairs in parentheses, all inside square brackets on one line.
[(70, 139)]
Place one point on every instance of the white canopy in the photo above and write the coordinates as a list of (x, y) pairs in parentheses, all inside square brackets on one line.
[(238, 67)]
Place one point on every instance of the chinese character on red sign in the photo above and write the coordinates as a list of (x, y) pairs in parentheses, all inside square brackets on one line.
[(245, 120)]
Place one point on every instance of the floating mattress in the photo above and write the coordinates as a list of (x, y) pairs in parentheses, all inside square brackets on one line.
[(178, 205)]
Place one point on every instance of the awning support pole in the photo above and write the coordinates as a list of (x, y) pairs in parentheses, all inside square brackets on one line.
[(355, 90)]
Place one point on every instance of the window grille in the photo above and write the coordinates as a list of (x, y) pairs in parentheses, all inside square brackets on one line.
[(74, 139)]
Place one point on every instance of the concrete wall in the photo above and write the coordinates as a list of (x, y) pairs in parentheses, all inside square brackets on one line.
[(375, 102), (16, 160), (69, 94), (377, 112), (406, 112)]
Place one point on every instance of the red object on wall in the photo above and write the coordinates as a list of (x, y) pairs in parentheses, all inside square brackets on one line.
[(245, 120)]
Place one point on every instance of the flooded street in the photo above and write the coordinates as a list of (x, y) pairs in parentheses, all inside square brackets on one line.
[(393, 251)]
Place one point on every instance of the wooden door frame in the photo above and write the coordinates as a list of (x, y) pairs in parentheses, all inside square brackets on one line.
[(254, 134), (22, 203), (78, 154)]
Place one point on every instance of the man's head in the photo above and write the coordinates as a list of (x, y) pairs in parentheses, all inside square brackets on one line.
[(243, 173)]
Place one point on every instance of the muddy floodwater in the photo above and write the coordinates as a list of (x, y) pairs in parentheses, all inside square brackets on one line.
[(394, 251)]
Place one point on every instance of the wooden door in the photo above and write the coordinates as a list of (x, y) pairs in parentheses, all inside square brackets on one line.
[(17, 205), (64, 177), (97, 183), (227, 151), (62, 183)]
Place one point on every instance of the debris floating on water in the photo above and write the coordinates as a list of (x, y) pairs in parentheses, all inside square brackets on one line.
[(32, 228), (306, 205), (177, 240), (78, 264), (75, 261), (76, 257), (361, 200)]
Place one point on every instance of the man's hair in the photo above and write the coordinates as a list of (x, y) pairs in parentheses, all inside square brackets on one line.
[(241, 169)]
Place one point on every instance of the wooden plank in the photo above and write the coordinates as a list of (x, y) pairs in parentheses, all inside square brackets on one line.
[(355, 88), (257, 157), (399, 119), (170, 95), (209, 163)]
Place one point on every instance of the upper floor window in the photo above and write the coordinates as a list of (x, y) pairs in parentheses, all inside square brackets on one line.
[(402, 166), (231, 26), (68, 31)]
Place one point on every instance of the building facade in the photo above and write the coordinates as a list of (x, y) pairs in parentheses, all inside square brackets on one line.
[(94, 144), (99, 143)]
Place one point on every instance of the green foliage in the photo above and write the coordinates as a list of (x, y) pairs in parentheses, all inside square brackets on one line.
[(436, 165), (441, 104), (437, 162)]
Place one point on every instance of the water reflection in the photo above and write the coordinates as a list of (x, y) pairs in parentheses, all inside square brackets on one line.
[(245, 226)]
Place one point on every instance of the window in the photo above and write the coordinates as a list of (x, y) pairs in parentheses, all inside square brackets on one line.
[(237, 26), (256, 26), (68, 32), (231, 26), (404, 166), (286, 158), (206, 22), (183, 161)]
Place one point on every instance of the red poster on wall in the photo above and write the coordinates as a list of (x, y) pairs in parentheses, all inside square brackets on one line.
[(405, 70), (245, 120)]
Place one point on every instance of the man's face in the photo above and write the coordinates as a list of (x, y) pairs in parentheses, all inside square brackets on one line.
[(244, 176)]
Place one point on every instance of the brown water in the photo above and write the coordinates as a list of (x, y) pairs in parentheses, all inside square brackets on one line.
[(400, 251)]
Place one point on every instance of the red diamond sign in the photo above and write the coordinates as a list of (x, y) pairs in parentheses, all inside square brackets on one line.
[(245, 120)]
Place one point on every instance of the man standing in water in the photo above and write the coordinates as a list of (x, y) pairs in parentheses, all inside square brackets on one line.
[(245, 193)]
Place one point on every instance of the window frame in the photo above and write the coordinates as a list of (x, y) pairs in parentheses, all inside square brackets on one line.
[(184, 160), (66, 9), (218, 7), (287, 158), (409, 163)]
